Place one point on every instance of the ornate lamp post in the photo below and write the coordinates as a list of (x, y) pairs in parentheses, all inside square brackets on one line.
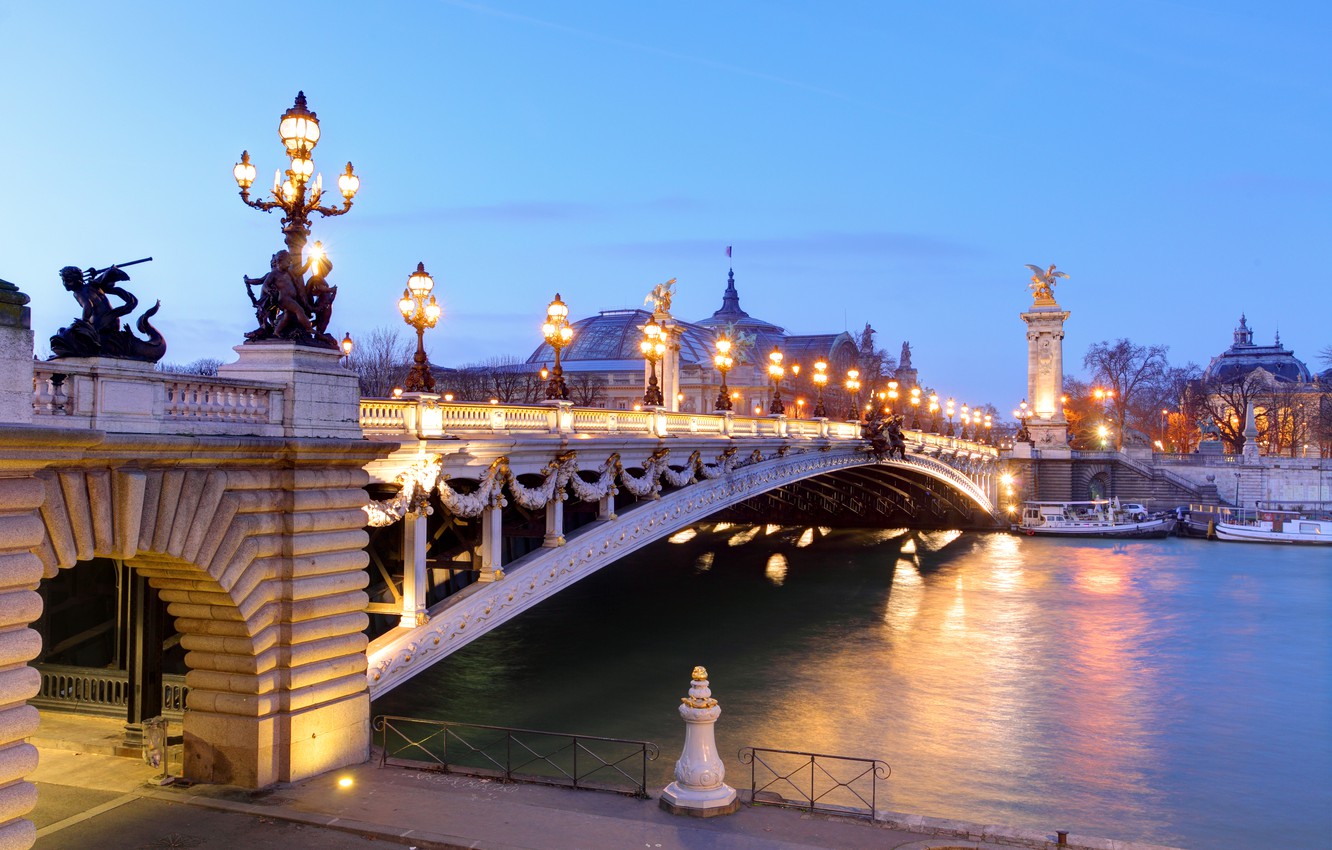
[(290, 307), (558, 334), (776, 371), (948, 410), (934, 413), (346, 346), (853, 387), (653, 347), (419, 309), (892, 397), (820, 380), (976, 422), (722, 360), (915, 408), (963, 420), (989, 430)]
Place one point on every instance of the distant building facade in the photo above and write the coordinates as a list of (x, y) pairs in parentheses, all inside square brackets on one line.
[(605, 351)]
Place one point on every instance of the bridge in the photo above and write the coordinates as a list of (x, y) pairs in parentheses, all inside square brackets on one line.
[(284, 521), (636, 477)]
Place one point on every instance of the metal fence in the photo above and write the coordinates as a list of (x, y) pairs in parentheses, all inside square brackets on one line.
[(516, 755), (93, 690), (815, 782)]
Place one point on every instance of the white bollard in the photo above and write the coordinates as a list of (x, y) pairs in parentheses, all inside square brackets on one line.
[(698, 788)]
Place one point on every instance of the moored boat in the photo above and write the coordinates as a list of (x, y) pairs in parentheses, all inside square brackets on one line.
[(1278, 526), (1095, 518)]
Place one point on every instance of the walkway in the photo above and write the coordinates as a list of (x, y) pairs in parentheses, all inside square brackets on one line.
[(87, 799)]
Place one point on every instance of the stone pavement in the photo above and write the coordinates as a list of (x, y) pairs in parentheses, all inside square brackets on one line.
[(91, 800)]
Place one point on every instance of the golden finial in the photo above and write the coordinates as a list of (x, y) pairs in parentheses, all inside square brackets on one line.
[(699, 674)]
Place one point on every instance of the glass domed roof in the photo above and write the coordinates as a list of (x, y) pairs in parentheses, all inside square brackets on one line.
[(615, 335), (1244, 357)]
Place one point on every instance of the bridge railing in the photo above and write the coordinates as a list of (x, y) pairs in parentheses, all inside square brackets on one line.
[(134, 398), (425, 415), (838, 785)]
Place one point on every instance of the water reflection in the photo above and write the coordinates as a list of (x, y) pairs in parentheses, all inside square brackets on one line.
[(1170, 691)]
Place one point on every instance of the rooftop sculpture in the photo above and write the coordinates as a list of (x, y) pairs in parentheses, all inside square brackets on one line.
[(1043, 283)]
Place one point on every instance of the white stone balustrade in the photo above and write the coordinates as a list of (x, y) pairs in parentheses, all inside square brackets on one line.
[(424, 416), (124, 396)]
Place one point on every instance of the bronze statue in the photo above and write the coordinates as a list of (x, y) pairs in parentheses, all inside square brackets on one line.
[(290, 308), (904, 362), (1043, 282), (97, 333), (660, 297)]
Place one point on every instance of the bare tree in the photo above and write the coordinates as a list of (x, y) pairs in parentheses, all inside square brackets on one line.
[(1126, 370), (205, 366), (1225, 403), (381, 360), (588, 390)]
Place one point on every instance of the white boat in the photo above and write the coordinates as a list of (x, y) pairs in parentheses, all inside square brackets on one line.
[(1278, 526), (1095, 518)]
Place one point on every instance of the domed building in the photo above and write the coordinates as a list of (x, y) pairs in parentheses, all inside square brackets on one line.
[(1292, 405), (1244, 357), (604, 366)]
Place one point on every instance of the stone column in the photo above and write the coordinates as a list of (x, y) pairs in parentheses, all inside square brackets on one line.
[(698, 788), (415, 537), (492, 540), (606, 507), (15, 355), (1045, 375), (554, 521)]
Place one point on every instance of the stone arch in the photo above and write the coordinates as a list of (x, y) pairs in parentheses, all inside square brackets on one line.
[(271, 624)]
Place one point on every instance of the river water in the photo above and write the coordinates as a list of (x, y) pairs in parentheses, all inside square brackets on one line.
[(1173, 691)]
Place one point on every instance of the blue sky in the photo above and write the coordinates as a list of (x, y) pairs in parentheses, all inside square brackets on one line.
[(888, 162)]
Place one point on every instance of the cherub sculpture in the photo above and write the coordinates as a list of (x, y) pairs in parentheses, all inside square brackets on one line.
[(1043, 282), (660, 297)]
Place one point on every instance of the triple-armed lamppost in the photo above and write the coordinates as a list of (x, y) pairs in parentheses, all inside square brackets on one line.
[(915, 408), (291, 307), (776, 371), (934, 413), (963, 420), (420, 310), (723, 361), (853, 387), (820, 380), (892, 397), (653, 347), (948, 411), (558, 334)]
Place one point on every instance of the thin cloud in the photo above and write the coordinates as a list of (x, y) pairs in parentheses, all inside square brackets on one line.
[(865, 243), (647, 48), (531, 212)]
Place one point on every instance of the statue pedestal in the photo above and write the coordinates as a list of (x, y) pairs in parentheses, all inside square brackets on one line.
[(698, 789), (1045, 374), (15, 355), (323, 399)]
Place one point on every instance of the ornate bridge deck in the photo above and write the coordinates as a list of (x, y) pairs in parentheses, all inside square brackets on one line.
[(469, 471)]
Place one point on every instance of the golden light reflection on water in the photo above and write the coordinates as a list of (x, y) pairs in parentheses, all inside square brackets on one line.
[(971, 676), (704, 562), (805, 539), (742, 537), (683, 536), (775, 571)]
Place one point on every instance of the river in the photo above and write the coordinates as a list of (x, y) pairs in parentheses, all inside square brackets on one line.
[(1174, 691)]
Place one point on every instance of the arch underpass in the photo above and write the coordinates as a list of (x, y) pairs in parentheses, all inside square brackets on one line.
[(821, 481)]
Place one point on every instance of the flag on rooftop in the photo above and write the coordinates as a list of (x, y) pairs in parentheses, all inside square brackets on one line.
[(728, 250)]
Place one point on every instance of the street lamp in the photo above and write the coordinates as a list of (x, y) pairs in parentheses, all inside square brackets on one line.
[(1165, 426), (290, 307), (853, 387), (976, 422), (964, 419), (558, 334), (346, 346), (775, 371), (653, 347), (948, 410), (722, 360), (820, 380), (934, 413), (915, 408), (1103, 432), (892, 397), (420, 310), (989, 432)]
